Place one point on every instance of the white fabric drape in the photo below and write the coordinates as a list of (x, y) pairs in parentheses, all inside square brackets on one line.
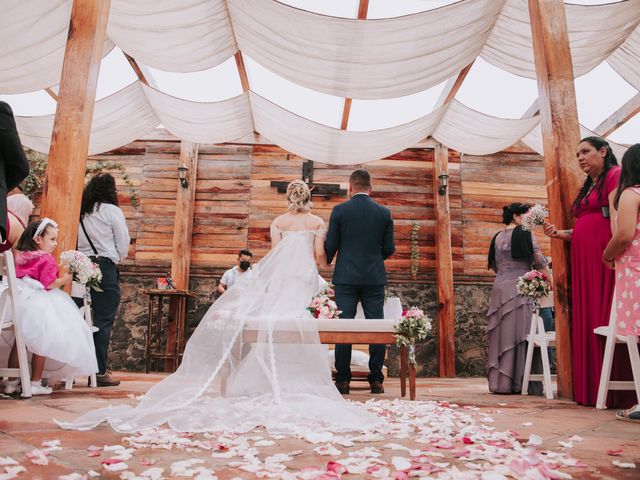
[(454, 124), (117, 120), (176, 36), (211, 122), (33, 37), (475, 133), (626, 59), (595, 31), (382, 58), (331, 145), (534, 140)]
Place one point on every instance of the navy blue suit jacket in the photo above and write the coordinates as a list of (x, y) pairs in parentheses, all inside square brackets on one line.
[(361, 233)]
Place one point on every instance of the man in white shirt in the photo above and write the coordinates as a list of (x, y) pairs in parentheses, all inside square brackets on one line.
[(240, 275)]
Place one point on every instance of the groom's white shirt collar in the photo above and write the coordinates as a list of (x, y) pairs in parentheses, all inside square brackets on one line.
[(359, 193)]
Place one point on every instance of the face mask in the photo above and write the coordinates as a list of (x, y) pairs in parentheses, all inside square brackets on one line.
[(245, 265)]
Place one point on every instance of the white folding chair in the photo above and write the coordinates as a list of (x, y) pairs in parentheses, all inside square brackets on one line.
[(8, 321), (86, 312), (539, 338), (611, 339)]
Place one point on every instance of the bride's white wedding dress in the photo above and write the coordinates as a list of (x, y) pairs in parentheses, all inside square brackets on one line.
[(278, 379)]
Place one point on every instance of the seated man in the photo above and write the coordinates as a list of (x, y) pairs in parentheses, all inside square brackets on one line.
[(239, 275)]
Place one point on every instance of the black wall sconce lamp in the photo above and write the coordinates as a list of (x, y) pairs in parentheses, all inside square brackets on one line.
[(444, 183), (182, 175)]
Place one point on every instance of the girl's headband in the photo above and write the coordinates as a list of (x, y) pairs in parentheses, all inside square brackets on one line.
[(43, 224)]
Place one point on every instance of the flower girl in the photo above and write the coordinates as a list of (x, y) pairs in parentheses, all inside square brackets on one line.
[(53, 329)]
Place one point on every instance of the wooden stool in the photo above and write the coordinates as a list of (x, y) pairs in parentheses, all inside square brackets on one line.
[(174, 325)]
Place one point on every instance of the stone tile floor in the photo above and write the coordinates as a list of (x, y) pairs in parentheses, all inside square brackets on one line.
[(25, 424)]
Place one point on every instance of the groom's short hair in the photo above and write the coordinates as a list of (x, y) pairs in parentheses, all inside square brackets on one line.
[(360, 179)]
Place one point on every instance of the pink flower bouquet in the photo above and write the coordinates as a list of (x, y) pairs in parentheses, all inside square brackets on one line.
[(413, 326), (323, 305), (534, 284)]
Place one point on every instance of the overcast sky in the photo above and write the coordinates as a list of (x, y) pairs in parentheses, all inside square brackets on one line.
[(486, 88)]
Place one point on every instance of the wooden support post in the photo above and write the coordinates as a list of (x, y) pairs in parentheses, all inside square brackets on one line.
[(560, 134), (183, 225), (64, 179), (444, 267), (181, 257)]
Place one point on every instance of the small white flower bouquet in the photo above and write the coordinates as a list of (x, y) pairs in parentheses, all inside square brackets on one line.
[(535, 216), (414, 326), (323, 304), (84, 271), (534, 284)]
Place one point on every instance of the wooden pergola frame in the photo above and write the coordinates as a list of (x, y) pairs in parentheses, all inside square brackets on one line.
[(64, 180)]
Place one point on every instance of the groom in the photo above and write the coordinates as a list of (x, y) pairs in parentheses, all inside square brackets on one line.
[(361, 231)]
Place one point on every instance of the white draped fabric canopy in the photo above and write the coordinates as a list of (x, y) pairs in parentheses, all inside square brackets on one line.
[(345, 57)]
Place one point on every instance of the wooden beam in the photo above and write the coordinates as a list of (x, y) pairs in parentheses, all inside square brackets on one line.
[(182, 236), (532, 110), (64, 179), (453, 85), (618, 118), (346, 110), (136, 68), (560, 134), (51, 93), (444, 267), (242, 71), (363, 8)]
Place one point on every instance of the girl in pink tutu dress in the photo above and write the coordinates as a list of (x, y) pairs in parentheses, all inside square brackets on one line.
[(53, 329), (623, 253)]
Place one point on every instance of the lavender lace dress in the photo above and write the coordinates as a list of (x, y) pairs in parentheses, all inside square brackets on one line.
[(509, 320)]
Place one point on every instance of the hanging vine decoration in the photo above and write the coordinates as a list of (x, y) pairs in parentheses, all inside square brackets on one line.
[(110, 165), (37, 169), (32, 185), (415, 250)]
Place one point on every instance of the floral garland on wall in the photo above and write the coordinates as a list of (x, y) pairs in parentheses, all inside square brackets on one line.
[(32, 185), (415, 249), (110, 165)]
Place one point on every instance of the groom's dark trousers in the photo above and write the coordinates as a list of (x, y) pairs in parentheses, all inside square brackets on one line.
[(361, 234), (372, 299)]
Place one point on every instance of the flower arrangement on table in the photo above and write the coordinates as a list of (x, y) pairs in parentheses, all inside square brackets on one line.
[(413, 326), (535, 216), (534, 284), (84, 271), (323, 305)]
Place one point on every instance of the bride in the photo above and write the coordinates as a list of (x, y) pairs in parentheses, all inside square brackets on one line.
[(255, 359)]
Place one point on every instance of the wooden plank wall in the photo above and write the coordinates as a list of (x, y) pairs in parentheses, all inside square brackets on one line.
[(235, 203), (489, 183)]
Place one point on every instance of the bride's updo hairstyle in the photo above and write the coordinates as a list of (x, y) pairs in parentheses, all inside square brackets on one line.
[(299, 196)]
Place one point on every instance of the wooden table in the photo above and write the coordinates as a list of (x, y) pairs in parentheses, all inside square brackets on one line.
[(174, 323), (354, 331)]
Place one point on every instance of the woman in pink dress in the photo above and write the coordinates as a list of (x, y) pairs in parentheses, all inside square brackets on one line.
[(592, 284), (624, 250)]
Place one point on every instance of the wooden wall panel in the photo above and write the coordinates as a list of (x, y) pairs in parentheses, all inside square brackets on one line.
[(235, 203), (488, 184)]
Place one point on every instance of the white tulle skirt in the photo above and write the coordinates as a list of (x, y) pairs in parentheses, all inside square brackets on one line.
[(255, 360), (53, 327)]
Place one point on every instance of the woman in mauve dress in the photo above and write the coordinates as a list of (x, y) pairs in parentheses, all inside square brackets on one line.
[(513, 253), (592, 284)]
